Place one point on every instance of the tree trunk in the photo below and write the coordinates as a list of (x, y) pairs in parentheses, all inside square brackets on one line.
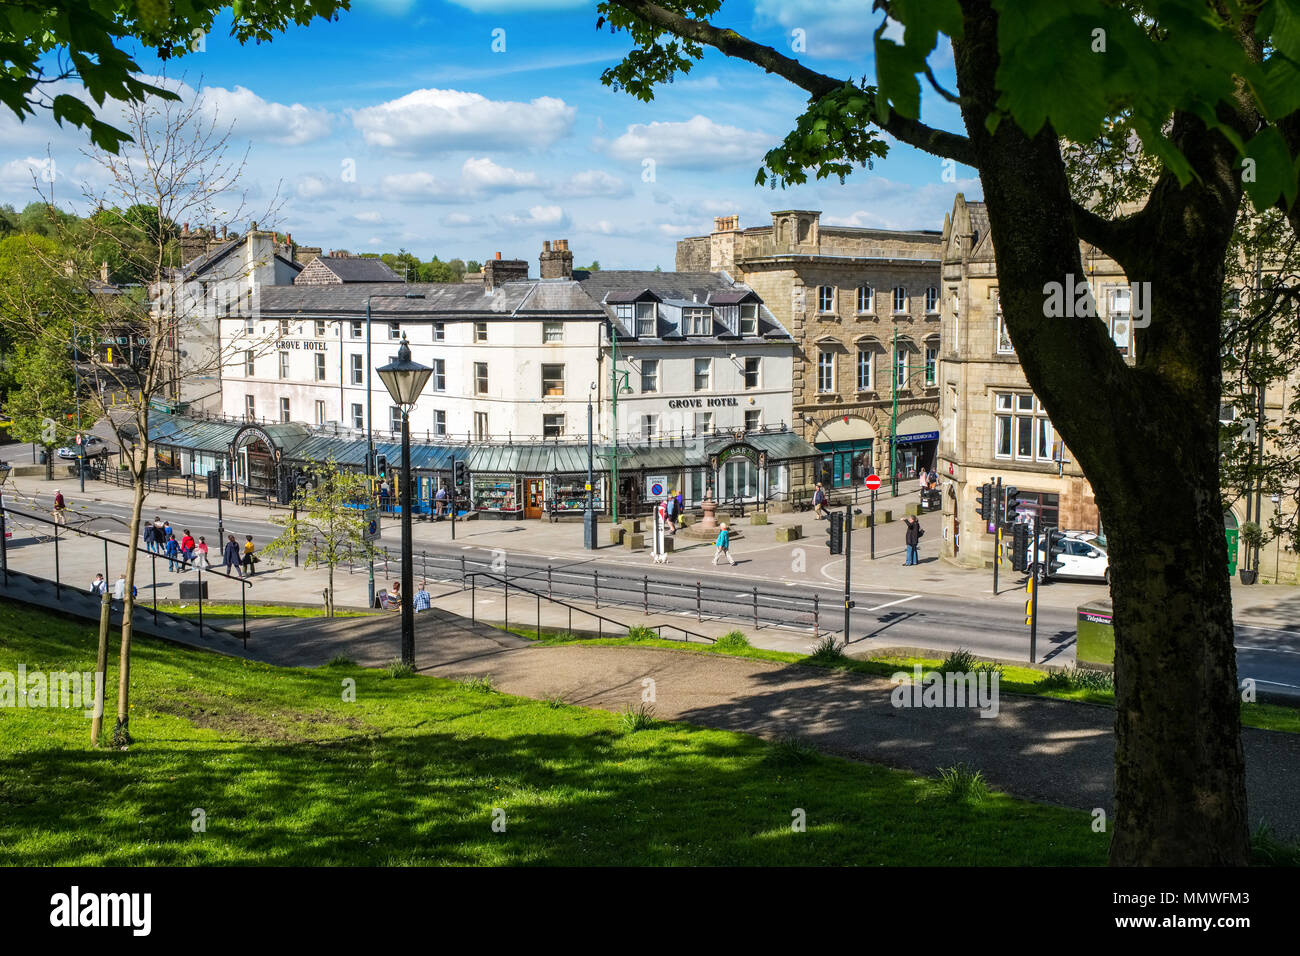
[(329, 594), (1147, 439), (122, 732)]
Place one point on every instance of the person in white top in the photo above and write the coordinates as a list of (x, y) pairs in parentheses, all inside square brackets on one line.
[(119, 587)]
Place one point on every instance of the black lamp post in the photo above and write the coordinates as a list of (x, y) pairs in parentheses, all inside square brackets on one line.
[(405, 380)]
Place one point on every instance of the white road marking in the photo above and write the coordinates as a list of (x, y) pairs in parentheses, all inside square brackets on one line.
[(892, 603)]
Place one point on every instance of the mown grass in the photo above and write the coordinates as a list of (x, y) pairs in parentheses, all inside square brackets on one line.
[(288, 772), (191, 609), (1013, 679)]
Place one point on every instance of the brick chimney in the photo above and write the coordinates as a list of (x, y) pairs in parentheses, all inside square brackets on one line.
[(498, 270), (557, 262)]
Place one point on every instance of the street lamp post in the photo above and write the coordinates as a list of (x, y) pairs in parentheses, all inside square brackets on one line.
[(370, 435), (589, 513), (405, 380)]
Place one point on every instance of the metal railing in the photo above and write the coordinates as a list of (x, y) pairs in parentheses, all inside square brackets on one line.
[(731, 602), (601, 620), (9, 516)]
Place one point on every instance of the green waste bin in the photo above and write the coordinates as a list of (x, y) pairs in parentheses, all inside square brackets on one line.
[(1095, 644)]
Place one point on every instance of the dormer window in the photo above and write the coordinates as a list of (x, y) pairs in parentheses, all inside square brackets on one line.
[(646, 313), (698, 321), (748, 318), (624, 311)]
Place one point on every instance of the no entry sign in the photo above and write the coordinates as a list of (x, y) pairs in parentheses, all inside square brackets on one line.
[(873, 482)]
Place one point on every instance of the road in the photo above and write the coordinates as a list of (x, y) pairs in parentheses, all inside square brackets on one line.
[(1270, 656)]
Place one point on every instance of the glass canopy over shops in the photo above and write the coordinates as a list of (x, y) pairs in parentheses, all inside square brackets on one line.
[(507, 480)]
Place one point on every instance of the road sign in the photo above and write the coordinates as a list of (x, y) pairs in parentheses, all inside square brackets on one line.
[(656, 486), (873, 482), (372, 524)]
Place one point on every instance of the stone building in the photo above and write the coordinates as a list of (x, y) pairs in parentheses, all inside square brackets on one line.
[(863, 307)]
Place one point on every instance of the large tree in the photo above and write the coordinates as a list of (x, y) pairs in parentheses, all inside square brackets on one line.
[(1213, 92)]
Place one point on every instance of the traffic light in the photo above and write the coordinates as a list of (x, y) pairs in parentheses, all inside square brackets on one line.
[(301, 478), (459, 474), (984, 502), (381, 466), (1055, 545), (214, 484), (1010, 502), (1020, 547), (835, 532)]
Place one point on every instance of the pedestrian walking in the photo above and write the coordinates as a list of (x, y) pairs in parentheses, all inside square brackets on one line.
[(147, 536), (912, 538), (167, 529), (250, 559), (60, 509), (723, 545), (231, 555), (440, 503), (819, 501), (422, 600), (173, 551), (98, 585), (670, 513), (187, 549), (159, 537), (203, 552), (119, 588), (924, 477), (383, 495)]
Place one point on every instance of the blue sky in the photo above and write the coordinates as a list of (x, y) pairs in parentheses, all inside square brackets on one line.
[(401, 126)]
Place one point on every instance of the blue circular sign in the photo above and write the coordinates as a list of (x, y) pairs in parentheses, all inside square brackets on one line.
[(656, 489), (374, 526)]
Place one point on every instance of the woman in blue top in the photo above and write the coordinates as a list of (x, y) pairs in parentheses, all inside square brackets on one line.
[(723, 544)]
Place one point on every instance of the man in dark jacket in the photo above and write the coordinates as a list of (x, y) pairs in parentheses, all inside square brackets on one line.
[(231, 555), (913, 541)]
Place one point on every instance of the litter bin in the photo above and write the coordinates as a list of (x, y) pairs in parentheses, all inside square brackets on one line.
[(1095, 644), (45, 456)]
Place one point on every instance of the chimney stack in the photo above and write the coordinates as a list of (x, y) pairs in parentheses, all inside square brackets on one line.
[(103, 271), (497, 271), (556, 260)]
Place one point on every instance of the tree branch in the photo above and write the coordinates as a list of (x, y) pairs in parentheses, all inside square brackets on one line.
[(729, 42)]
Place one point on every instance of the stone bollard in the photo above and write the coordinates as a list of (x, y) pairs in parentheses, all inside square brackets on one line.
[(634, 541), (616, 535), (791, 532), (759, 518)]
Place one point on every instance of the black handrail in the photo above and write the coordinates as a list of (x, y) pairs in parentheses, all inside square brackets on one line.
[(474, 575)]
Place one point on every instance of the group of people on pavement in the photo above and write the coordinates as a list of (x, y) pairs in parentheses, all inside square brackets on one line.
[(160, 538)]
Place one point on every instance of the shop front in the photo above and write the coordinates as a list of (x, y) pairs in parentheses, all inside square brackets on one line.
[(846, 445), (530, 481), (917, 442)]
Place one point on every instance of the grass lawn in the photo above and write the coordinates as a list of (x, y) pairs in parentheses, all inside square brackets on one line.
[(287, 772), (210, 609), (1014, 680)]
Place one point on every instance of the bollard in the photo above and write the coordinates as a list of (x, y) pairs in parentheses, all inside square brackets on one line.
[(595, 577), (645, 592), (462, 572), (756, 607), (816, 619), (549, 595), (697, 601)]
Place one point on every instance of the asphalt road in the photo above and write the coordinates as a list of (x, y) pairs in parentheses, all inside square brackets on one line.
[(1271, 656)]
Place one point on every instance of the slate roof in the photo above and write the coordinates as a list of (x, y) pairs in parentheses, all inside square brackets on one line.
[(358, 269), (678, 290), (526, 297)]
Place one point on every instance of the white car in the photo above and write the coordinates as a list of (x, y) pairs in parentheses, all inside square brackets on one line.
[(1081, 558), (94, 446)]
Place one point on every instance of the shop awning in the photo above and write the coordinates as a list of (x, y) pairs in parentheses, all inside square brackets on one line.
[(532, 459), (652, 456)]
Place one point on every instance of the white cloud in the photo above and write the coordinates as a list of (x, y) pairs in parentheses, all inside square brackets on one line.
[(518, 6), (418, 185), (592, 182), (32, 173), (459, 219), (537, 216), (370, 218), (429, 120), (698, 143), (313, 187), (259, 119), (885, 204), (832, 29), (483, 175)]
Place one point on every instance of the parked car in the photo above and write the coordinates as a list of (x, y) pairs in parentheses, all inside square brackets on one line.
[(94, 446), (1083, 558)]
